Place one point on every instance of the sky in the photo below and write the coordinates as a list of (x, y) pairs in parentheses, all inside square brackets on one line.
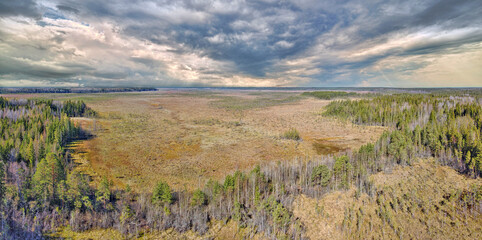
[(240, 43)]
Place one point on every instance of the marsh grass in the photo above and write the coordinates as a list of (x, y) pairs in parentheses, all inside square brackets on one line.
[(423, 201), (269, 100), (197, 94), (292, 134), (192, 139)]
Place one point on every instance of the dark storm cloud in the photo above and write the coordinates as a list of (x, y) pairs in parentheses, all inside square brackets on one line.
[(26, 8), (42, 70), (404, 15), (67, 8), (242, 39), (445, 46), (456, 12), (285, 37)]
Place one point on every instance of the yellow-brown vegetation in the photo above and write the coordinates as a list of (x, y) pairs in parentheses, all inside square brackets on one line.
[(424, 201), (188, 138)]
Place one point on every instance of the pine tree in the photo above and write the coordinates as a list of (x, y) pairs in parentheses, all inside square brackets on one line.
[(321, 175), (199, 198), (48, 174), (30, 154), (342, 169), (103, 193), (468, 161), (2, 182), (162, 194)]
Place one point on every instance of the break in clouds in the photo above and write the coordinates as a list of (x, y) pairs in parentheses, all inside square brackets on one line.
[(240, 43)]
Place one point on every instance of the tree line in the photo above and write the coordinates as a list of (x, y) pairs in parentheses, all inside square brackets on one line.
[(328, 95), (35, 165), (448, 128), (74, 90)]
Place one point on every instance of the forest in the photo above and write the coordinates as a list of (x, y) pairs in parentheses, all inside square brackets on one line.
[(74, 90), (42, 191), (448, 128), (328, 95)]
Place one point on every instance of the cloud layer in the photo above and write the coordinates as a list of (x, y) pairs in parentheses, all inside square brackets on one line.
[(241, 43)]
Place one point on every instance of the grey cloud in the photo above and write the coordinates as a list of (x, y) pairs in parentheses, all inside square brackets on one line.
[(251, 50), (149, 62), (449, 45), (449, 14), (51, 70), (457, 12), (27, 8), (255, 38), (67, 8), (111, 75)]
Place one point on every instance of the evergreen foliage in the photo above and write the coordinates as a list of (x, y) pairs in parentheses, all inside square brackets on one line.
[(199, 198), (321, 175), (162, 194), (328, 95), (47, 177), (448, 128)]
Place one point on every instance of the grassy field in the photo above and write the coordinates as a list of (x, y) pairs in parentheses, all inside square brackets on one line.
[(424, 201), (189, 137)]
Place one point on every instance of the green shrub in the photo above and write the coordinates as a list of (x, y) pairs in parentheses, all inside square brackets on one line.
[(229, 182), (215, 187), (321, 175), (199, 198), (104, 194), (162, 194), (126, 214), (280, 215), (292, 134)]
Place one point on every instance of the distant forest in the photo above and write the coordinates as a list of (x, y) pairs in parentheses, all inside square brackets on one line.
[(73, 90), (319, 92)]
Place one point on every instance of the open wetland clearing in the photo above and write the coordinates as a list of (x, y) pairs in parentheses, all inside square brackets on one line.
[(189, 137)]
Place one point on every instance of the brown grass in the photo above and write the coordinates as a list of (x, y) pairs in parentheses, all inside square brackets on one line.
[(411, 204), (218, 231), (188, 138)]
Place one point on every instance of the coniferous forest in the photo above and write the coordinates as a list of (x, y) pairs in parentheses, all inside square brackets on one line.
[(41, 190)]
